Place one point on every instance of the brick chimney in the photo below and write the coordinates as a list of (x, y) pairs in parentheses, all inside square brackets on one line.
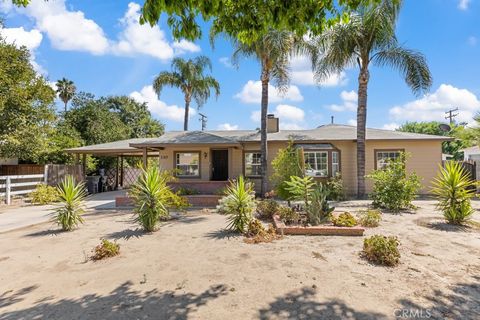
[(272, 124)]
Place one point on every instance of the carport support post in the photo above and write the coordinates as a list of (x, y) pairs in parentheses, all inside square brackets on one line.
[(121, 171), (84, 164), (145, 159), (116, 173)]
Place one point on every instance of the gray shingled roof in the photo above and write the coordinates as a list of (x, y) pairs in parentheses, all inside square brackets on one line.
[(116, 147)]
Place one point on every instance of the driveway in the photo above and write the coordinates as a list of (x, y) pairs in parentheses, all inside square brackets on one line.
[(20, 217)]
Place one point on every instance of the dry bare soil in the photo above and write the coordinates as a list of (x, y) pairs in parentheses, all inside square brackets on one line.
[(191, 269)]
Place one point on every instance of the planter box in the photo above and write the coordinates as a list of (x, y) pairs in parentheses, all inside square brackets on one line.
[(282, 228), (200, 200)]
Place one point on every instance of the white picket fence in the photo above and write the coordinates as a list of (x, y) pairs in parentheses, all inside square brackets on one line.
[(12, 188)]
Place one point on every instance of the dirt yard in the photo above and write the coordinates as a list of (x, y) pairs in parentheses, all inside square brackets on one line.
[(192, 269)]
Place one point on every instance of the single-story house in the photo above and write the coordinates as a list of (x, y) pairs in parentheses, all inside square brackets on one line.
[(205, 157)]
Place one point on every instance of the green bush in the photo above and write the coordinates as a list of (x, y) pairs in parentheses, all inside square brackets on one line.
[(288, 215), (106, 249), (318, 210), (454, 190), (239, 204), (369, 218), (382, 250), (44, 194), (393, 189), (288, 162), (187, 191), (267, 208), (300, 189), (153, 198), (335, 188), (71, 196), (345, 219)]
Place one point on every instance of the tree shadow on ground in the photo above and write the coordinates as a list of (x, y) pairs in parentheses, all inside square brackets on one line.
[(441, 225), (189, 219), (122, 303), (127, 234), (42, 233), (462, 303), (302, 305), (222, 234), (10, 297)]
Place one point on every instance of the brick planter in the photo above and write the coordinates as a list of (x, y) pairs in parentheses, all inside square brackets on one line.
[(282, 228), (201, 200)]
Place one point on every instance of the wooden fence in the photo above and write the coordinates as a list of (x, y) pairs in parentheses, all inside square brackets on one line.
[(56, 172), (21, 169)]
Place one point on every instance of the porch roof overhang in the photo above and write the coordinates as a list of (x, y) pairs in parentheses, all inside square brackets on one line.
[(116, 148)]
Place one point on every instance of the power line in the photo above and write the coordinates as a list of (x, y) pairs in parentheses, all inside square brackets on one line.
[(203, 120), (450, 115)]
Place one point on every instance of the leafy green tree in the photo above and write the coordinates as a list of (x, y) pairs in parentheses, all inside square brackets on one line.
[(368, 38), (288, 162), (273, 52), (188, 76), (66, 90), (63, 136), (136, 116), (26, 105)]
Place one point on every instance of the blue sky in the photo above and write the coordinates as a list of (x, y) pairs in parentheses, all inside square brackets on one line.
[(100, 46)]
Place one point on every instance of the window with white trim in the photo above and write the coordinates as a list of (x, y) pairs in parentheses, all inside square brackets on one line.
[(316, 163), (187, 164), (253, 163), (335, 163), (383, 157)]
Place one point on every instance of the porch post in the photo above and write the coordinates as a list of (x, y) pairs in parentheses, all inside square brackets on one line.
[(84, 164), (145, 159), (116, 173), (121, 170)]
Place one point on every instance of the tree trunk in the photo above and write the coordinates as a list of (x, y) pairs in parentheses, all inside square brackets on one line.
[(263, 131), (65, 106), (361, 129), (187, 109)]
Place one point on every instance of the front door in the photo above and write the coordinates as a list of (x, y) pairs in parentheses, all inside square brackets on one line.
[(219, 165)]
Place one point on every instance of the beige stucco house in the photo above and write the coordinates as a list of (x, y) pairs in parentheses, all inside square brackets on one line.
[(203, 157)]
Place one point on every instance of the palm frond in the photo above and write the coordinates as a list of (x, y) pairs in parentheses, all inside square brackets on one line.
[(166, 78)]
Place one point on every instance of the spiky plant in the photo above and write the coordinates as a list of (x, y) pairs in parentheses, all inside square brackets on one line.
[(71, 195), (238, 204), (301, 189), (152, 198), (454, 190)]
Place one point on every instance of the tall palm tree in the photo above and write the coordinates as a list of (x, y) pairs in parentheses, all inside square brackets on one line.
[(188, 76), (66, 90), (368, 38), (273, 52)]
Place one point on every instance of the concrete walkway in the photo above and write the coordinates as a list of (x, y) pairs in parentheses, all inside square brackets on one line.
[(21, 217)]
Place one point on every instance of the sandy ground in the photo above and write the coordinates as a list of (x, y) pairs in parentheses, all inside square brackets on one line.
[(192, 269)]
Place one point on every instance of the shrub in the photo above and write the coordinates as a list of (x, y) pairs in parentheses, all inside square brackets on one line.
[(345, 219), (381, 250), (288, 162), (106, 249), (44, 194), (288, 215), (257, 232), (71, 195), (254, 228), (153, 198), (393, 189), (335, 188), (318, 210), (187, 191), (369, 218), (238, 204), (300, 188), (267, 208), (454, 190)]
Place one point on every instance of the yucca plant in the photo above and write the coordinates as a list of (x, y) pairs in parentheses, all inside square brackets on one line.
[(71, 196), (239, 204), (454, 190), (153, 198)]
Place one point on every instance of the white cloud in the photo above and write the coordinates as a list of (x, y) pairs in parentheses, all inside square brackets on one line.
[(30, 39), (226, 62), (391, 126), (183, 46), (227, 126), (302, 74), (349, 102), (463, 4), (158, 107), (432, 107), (472, 40), (291, 126), (252, 93), (291, 117)]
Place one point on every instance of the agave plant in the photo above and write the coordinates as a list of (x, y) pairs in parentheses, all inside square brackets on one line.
[(71, 196), (239, 204), (454, 190), (153, 198)]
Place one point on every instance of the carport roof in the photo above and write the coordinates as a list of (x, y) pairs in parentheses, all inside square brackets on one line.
[(121, 147)]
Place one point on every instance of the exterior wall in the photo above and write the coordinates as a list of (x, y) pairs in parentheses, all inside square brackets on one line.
[(425, 156)]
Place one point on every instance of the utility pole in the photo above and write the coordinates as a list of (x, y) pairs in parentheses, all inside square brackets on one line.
[(450, 115), (203, 120)]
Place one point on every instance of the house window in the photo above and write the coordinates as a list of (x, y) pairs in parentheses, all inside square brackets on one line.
[(335, 163), (187, 164), (383, 157), (316, 163), (253, 164)]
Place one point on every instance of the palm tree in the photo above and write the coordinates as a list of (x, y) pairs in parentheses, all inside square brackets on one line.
[(273, 52), (187, 75), (66, 90), (368, 38)]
